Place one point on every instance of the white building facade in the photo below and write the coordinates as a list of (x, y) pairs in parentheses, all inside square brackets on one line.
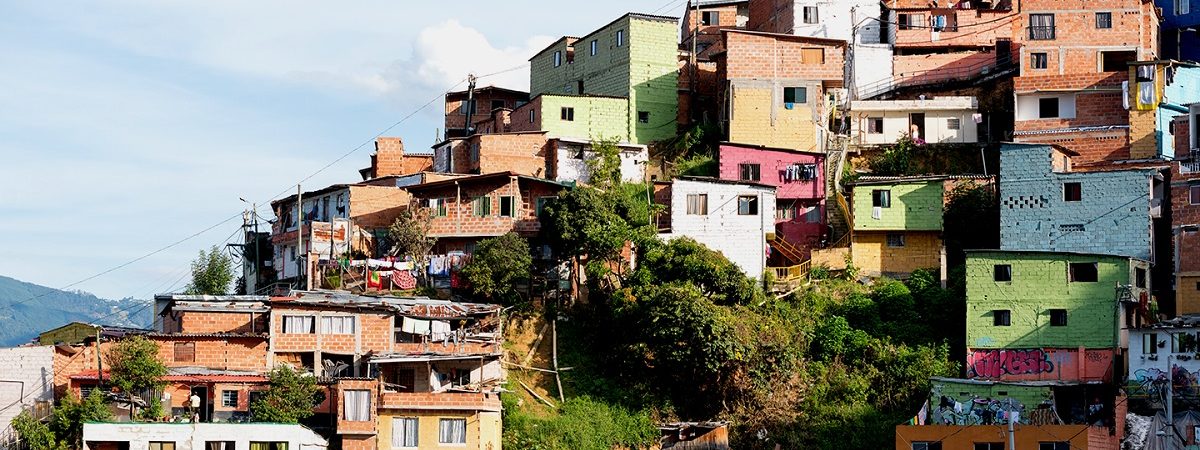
[(572, 156), (28, 379), (729, 217), (939, 120), (854, 21), (200, 436)]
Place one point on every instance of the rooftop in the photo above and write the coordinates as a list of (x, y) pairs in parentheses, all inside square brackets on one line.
[(477, 179), (929, 104), (869, 180)]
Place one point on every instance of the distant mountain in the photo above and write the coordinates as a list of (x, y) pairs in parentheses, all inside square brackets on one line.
[(23, 319)]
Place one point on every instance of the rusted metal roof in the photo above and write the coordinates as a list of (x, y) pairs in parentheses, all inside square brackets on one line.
[(192, 375), (415, 307)]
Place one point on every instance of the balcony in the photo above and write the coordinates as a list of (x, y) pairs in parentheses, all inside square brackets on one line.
[(461, 401), (1041, 33), (1191, 164)]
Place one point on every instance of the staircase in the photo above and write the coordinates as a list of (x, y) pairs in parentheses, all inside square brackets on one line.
[(939, 78), (789, 251), (835, 162)]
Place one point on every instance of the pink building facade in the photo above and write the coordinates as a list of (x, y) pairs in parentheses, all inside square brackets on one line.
[(799, 179)]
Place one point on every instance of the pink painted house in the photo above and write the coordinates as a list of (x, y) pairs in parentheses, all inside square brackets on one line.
[(799, 179)]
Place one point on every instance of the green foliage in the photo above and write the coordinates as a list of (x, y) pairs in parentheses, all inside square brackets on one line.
[(698, 166), (819, 272), (153, 411), (584, 222), (497, 266), (290, 397), (604, 169), (70, 415), (135, 367), (35, 433), (409, 234), (685, 260), (698, 139), (212, 273), (909, 157), (581, 423)]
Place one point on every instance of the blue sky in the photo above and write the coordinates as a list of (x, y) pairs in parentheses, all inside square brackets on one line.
[(127, 125)]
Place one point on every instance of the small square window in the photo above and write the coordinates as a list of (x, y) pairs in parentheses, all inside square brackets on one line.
[(1072, 192), (568, 114), (452, 431), (874, 125), (507, 206), (895, 240), (497, 104), (710, 18), (1048, 108), (1104, 20), (229, 399), (748, 172), (158, 445), (643, 116), (482, 206), (911, 21), (1002, 272), (1001, 318), (1039, 61), (1058, 317), (1194, 194), (747, 205), (881, 198), (795, 95), (953, 123), (697, 204), (1084, 272), (812, 56), (620, 38), (810, 15)]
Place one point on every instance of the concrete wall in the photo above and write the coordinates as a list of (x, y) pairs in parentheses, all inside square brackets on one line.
[(836, 20), (373, 333), (1185, 90), (1147, 367), (1040, 283), (741, 238), (979, 400), (571, 163), (1042, 364), (594, 117), (33, 368), (964, 437), (874, 257), (915, 206), (461, 220), (483, 428), (897, 124), (1114, 213), (187, 436)]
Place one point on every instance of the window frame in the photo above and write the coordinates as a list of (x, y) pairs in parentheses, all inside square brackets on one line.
[(1183, 7), (594, 47), (749, 172), (1054, 445), (697, 204), (953, 123), (326, 326), (1042, 32), (558, 58), (896, 239), (346, 412), (1194, 194), (1039, 60), (416, 437), (481, 206), (161, 445), (445, 420), (1074, 274), (1072, 191), (1150, 343), (512, 206), (871, 125), (1106, 24), (1044, 107), (1001, 317), (621, 37), (810, 15), (710, 18), (225, 398), (799, 93), (643, 116), (1002, 271), (747, 205), (567, 114), (1058, 317), (881, 198)]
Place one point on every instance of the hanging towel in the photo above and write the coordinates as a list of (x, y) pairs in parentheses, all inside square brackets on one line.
[(415, 326), (876, 213), (438, 330)]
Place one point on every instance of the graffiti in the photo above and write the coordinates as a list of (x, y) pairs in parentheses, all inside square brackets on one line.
[(1095, 357), (1152, 383), (973, 410), (998, 363)]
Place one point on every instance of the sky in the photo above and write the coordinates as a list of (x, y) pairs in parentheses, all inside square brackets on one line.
[(129, 125)]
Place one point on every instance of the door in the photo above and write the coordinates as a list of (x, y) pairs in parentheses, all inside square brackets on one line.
[(1003, 51), (205, 409), (916, 125)]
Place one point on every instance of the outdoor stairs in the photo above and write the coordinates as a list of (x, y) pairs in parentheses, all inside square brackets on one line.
[(939, 79), (837, 218)]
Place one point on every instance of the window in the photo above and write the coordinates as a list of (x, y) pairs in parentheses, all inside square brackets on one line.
[(810, 15), (1194, 194), (452, 431), (643, 116), (926, 446), (159, 445), (1182, 7), (497, 104), (356, 405), (1072, 192), (785, 211), (337, 325), (1118, 61), (507, 206), (220, 445), (1063, 445), (404, 432), (557, 58), (1048, 108), (697, 204), (795, 95), (568, 114), (405, 380), (1041, 27), (812, 56), (474, 152), (1039, 60), (542, 202), (468, 106), (594, 47), (748, 172), (1002, 272), (1001, 318), (620, 38), (1104, 20), (1150, 343), (185, 352), (710, 18), (482, 206), (532, 115), (881, 198), (942, 22), (911, 21), (268, 445), (747, 205), (229, 399), (953, 123), (1058, 317), (874, 125), (989, 446), (1084, 272), (438, 209), (1139, 277), (895, 240), (298, 324)]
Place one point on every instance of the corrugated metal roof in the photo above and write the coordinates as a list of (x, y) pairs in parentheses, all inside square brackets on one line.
[(874, 180), (191, 374), (205, 335)]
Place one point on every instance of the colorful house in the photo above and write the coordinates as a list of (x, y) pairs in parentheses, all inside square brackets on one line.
[(799, 180), (1180, 20), (937, 120), (622, 76), (1162, 353), (1185, 211), (1034, 315), (731, 217), (482, 103)]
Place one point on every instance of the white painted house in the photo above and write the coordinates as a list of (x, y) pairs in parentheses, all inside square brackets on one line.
[(1168, 350), (571, 157), (200, 436), (940, 120), (730, 217), (27, 380)]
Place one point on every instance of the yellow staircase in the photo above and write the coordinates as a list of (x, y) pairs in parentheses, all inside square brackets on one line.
[(792, 253)]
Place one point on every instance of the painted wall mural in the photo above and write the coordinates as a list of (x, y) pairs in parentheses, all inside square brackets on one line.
[(1040, 364), (1151, 383), (973, 404)]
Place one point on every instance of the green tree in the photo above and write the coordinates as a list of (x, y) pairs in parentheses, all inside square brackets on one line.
[(70, 415), (35, 433), (289, 398), (604, 168), (497, 266), (212, 273), (409, 234), (135, 367)]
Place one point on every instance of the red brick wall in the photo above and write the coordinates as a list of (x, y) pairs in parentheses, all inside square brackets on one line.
[(224, 353), (759, 56), (977, 27), (373, 332), (943, 65), (460, 219), (67, 364), (772, 16), (220, 322), (351, 427), (389, 159), (376, 206), (519, 119), (1075, 26), (483, 110), (1096, 146), (1183, 133), (524, 153), (1184, 213)]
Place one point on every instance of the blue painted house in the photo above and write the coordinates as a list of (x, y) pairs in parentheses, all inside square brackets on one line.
[(1181, 90), (1181, 19), (1045, 205)]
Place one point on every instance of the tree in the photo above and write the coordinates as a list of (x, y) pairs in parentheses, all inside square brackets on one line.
[(604, 168), (70, 415), (290, 397), (497, 265), (212, 273), (35, 433), (409, 234), (135, 367)]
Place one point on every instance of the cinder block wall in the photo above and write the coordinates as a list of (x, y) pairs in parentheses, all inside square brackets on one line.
[(33, 366)]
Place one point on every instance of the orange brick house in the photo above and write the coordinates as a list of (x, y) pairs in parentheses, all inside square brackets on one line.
[(486, 101)]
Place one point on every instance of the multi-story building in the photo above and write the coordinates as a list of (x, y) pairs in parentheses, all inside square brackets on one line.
[(937, 120), (196, 436), (484, 101), (532, 153), (1185, 212), (701, 33), (1180, 22), (623, 75), (731, 217), (1047, 316), (773, 87), (1164, 353), (799, 180)]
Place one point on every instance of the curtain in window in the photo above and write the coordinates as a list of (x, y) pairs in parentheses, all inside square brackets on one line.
[(356, 405), (452, 431), (337, 325), (297, 324), (404, 432)]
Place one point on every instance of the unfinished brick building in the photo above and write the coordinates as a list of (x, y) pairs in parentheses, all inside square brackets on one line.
[(486, 100)]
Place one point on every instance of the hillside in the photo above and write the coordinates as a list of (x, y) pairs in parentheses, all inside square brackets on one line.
[(23, 319)]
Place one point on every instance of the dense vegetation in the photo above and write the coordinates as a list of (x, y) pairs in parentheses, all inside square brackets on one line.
[(64, 429)]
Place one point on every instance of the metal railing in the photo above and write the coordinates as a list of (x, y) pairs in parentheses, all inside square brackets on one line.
[(936, 75), (1192, 163), (792, 273)]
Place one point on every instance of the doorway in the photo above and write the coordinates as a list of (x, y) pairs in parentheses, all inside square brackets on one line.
[(916, 126), (1003, 51), (205, 406)]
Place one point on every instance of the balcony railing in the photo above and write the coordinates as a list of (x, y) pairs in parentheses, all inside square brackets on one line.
[(1192, 163), (1041, 33)]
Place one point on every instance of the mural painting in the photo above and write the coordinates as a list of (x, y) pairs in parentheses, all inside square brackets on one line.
[(1040, 364)]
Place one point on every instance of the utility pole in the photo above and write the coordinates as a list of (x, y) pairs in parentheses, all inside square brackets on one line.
[(257, 248), (99, 364), (245, 245), (1170, 434), (300, 235), (469, 108)]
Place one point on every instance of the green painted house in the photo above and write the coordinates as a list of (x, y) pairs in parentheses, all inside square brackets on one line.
[(635, 58), (898, 204), (1034, 300)]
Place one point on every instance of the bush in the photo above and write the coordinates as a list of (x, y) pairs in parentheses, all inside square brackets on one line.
[(498, 265), (291, 397), (580, 423)]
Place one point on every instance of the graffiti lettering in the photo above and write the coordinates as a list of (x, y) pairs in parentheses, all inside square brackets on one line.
[(998, 363)]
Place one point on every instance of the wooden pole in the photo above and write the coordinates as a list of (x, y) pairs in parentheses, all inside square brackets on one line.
[(554, 356)]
